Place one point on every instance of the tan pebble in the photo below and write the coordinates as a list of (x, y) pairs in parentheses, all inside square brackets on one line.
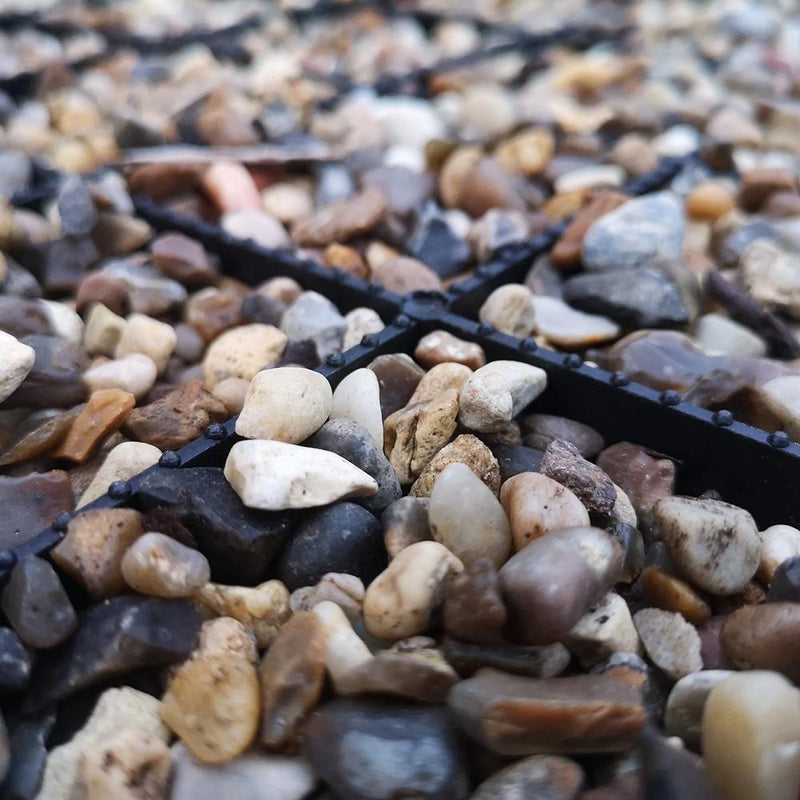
[(606, 628), (670, 593), (453, 178), (242, 352), (778, 543), (464, 449), (401, 274), (143, 334), (528, 152), (709, 201), (671, 643), (121, 464), (232, 392), (285, 290), (511, 310), (439, 347), (227, 635), (102, 331), (158, 565), (438, 380), (346, 259), (347, 591)]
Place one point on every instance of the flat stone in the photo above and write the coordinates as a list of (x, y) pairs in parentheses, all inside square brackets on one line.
[(553, 777), (157, 565), (537, 505), (254, 775), (464, 449), (341, 221), (357, 398), (63, 320), (257, 225), (148, 291), (772, 275), (496, 393), (546, 661), (343, 537), (552, 582), (373, 750), (66, 261), (439, 347), (30, 503), (764, 637), (645, 231), (399, 602), (36, 605), (15, 662), (670, 593), (314, 317), (113, 638), (92, 550), (719, 334), (54, 379), (515, 459), (714, 543), (496, 229), (750, 730), (473, 608), (540, 430), (242, 352), (103, 413), (671, 643), (76, 209), (102, 331), (437, 245), (398, 377), (683, 714), (238, 542), (563, 462), (38, 433), (99, 287), (354, 443), (511, 310), (256, 307), (405, 522), (230, 186), (183, 259), (567, 328), (117, 234), (644, 475), (513, 715), (467, 518)]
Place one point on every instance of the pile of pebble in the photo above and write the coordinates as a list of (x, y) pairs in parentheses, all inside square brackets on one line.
[(409, 584), (117, 344)]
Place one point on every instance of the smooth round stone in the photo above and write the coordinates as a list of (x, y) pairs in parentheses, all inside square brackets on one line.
[(274, 476), (496, 393), (467, 518), (352, 442), (358, 323), (718, 334), (779, 543), (672, 644), (751, 729), (709, 201), (343, 537), (537, 505), (764, 636), (473, 608), (550, 584), (252, 223), (158, 565), (781, 396), (375, 750), (541, 429), (714, 543), (146, 335), (232, 392), (135, 374), (357, 398), (439, 347), (785, 585), (670, 593), (511, 310), (213, 704), (401, 274), (399, 602), (16, 361), (566, 327), (683, 714), (606, 628), (287, 404), (102, 331), (230, 186), (551, 777), (242, 352), (15, 662), (36, 605), (121, 464), (314, 317)]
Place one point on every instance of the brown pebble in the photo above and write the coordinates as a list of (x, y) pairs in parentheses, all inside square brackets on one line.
[(670, 593), (211, 312), (183, 259), (644, 475), (758, 184), (401, 274), (782, 204), (465, 449), (346, 259), (711, 651), (341, 221), (474, 610), (439, 347), (405, 522), (709, 201)]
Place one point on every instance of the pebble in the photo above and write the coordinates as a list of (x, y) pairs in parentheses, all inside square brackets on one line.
[(15, 662), (671, 643), (399, 602), (511, 310), (497, 392), (242, 352), (567, 328), (121, 464), (553, 777), (764, 637), (212, 703), (93, 548), (64, 322), (359, 323), (538, 662), (514, 715), (343, 537), (683, 714), (715, 544), (541, 429), (341, 221), (314, 317), (785, 585), (553, 581), (135, 374), (212, 311), (257, 225), (757, 185), (566, 253), (345, 649), (719, 334), (274, 475), (606, 628), (439, 347), (28, 756), (261, 609), (644, 475), (20, 317), (376, 750), (434, 242), (467, 518), (401, 274), (292, 676), (148, 336), (30, 503), (230, 186), (357, 398), (36, 605), (644, 232), (130, 765), (347, 591), (473, 608), (780, 396), (709, 201), (464, 449), (158, 565), (398, 377), (771, 275), (99, 288), (102, 331), (496, 229), (778, 544), (563, 463), (537, 505), (232, 391), (183, 259), (254, 776), (148, 292), (405, 522), (750, 730), (439, 380), (286, 404), (670, 593), (114, 638)]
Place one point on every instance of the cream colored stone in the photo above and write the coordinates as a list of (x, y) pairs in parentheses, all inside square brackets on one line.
[(287, 202), (683, 713), (438, 380), (274, 476), (286, 404), (103, 331), (357, 398), (778, 543), (589, 178), (261, 609), (63, 320), (567, 327), (159, 565), (282, 288), (346, 650), (606, 628), (496, 393), (242, 352), (781, 396), (399, 602), (16, 361), (511, 310), (232, 392), (135, 373), (122, 463), (228, 635), (359, 322), (670, 642), (347, 591), (143, 334), (718, 334)]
